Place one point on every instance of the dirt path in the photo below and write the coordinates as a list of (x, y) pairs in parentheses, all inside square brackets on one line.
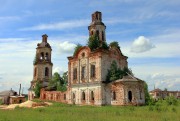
[(27, 104)]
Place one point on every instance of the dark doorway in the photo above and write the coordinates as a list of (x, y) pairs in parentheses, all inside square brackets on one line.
[(130, 96), (20, 101)]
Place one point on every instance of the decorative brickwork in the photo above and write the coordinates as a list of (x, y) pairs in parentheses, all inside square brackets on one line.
[(57, 96)]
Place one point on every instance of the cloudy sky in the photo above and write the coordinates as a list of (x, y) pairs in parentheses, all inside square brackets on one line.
[(148, 32)]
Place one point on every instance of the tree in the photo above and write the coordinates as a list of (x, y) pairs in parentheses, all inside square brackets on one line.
[(76, 49), (57, 82), (116, 73), (104, 46), (63, 85), (93, 42), (65, 77), (37, 89), (114, 44), (147, 96), (165, 89)]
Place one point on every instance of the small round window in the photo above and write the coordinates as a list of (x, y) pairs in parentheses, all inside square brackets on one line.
[(83, 54)]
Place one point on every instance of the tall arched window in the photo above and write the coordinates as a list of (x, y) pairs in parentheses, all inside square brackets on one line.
[(35, 71), (42, 56), (114, 95), (83, 96), (102, 36), (64, 96), (46, 71), (74, 96), (140, 94), (97, 33), (46, 56), (92, 95)]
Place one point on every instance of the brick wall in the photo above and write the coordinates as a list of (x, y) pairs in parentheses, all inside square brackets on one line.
[(57, 96)]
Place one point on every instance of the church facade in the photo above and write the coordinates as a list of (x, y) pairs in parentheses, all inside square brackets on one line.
[(87, 72), (87, 75)]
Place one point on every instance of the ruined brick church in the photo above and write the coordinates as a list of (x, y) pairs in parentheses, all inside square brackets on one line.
[(87, 72)]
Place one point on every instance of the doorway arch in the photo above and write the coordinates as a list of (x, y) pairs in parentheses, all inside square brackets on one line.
[(130, 96)]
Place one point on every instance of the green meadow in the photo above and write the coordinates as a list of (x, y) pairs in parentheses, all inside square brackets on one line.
[(65, 112)]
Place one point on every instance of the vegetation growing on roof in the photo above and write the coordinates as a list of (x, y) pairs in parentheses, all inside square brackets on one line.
[(116, 73), (105, 46), (76, 49), (94, 43), (114, 44)]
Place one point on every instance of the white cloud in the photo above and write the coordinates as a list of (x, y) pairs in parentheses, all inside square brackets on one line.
[(141, 44), (59, 25), (60, 70), (66, 47), (162, 81), (167, 45)]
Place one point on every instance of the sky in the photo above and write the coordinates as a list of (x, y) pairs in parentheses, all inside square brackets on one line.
[(148, 32)]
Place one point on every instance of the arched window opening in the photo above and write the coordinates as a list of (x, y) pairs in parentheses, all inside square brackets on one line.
[(130, 96), (42, 56), (46, 57), (92, 33), (83, 96), (44, 97), (102, 36), (46, 71), (93, 71), (83, 72), (57, 96), (51, 96), (64, 96), (140, 94), (35, 71), (97, 34), (74, 96), (96, 16), (92, 95), (74, 73), (114, 95), (83, 54)]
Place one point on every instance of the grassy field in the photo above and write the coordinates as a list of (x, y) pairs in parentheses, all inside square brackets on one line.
[(64, 112)]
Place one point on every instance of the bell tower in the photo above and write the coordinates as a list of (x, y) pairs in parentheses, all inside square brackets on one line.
[(42, 71), (97, 27)]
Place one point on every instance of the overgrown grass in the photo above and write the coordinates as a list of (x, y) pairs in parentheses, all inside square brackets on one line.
[(64, 112)]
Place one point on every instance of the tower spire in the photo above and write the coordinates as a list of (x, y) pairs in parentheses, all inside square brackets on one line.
[(97, 27), (44, 38)]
